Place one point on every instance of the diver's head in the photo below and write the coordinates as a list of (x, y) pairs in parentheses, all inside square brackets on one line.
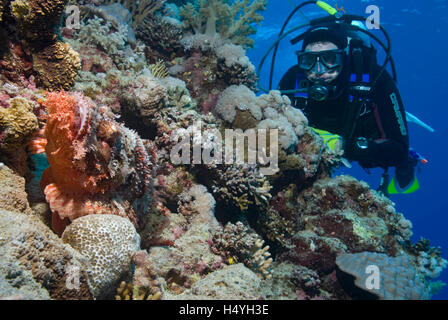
[(322, 62), (323, 53)]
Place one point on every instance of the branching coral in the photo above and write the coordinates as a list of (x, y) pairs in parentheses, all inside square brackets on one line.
[(96, 164), (269, 111), (239, 186), (216, 18), (98, 32), (140, 9), (237, 243)]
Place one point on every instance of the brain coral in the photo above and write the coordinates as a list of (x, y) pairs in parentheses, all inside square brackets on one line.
[(108, 242), (96, 164), (398, 279)]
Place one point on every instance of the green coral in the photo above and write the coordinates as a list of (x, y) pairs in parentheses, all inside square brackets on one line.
[(231, 21)]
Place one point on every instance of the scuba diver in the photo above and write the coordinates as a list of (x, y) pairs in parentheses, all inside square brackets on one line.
[(329, 62), (350, 101)]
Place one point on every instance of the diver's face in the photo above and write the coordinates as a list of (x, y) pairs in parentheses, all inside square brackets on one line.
[(319, 72)]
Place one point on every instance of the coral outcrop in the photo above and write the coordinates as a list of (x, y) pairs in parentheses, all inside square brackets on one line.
[(36, 264), (13, 197), (35, 24), (18, 124), (108, 242)]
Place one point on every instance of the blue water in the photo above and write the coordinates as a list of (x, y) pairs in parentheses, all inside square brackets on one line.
[(419, 33)]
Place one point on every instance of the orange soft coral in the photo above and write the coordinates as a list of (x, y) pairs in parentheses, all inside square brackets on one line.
[(93, 161)]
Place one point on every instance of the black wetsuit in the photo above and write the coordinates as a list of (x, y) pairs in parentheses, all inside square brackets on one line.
[(382, 122)]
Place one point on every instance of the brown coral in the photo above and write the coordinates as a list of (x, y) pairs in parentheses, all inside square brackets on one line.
[(37, 19), (17, 126), (56, 66), (13, 196)]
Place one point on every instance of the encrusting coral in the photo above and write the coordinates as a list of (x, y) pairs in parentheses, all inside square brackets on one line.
[(56, 66)]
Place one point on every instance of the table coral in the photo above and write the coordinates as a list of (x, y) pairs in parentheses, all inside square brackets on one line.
[(398, 280), (96, 164), (108, 242)]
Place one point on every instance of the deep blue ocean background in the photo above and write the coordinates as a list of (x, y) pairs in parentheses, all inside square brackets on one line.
[(419, 35)]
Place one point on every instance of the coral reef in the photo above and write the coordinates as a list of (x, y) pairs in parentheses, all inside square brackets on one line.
[(111, 135), (107, 242)]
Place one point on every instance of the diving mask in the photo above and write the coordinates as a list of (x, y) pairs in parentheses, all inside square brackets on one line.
[(329, 59)]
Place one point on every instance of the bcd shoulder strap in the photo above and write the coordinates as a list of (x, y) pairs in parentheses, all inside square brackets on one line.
[(360, 87)]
